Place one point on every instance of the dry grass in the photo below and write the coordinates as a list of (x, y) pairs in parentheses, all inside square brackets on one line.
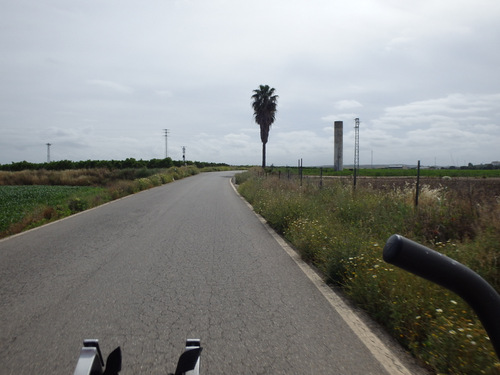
[(80, 177)]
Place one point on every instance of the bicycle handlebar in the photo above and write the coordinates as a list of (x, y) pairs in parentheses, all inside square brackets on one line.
[(444, 271), (91, 361)]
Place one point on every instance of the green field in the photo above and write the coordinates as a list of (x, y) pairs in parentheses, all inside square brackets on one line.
[(19, 202), (30, 198), (387, 172)]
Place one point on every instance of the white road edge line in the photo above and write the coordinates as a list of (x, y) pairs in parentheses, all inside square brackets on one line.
[(379, 350)]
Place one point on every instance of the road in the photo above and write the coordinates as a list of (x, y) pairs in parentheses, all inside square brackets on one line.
[(184, 260)]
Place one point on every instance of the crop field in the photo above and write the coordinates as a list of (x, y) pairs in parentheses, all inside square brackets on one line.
[(29, 198), (19, 202)]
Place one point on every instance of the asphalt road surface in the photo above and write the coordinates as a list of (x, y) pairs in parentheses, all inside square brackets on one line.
[(184, 260)]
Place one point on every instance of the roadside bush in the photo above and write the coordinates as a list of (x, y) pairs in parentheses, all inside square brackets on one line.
[(144, 183), (77, 204), (122, 188), (166, 178), (155, 180), (281, 210), (240, 178)]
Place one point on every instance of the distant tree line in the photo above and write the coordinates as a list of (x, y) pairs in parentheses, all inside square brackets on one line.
[(475, 167), (109, 164)]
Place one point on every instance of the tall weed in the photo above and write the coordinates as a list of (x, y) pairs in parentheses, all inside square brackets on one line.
[(342, 232)]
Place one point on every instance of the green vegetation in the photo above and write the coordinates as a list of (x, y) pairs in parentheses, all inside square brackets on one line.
[(129, 163), (343, 232), (30, 198), (387, 172), (22, 205)]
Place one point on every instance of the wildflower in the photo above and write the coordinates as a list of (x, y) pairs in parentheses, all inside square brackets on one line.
[(452, 332), (439, 311), (453, 301)]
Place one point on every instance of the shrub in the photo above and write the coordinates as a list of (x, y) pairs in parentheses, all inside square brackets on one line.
[(240, 178), (166, 178), (77, 205), (155, 180), (144, 183)]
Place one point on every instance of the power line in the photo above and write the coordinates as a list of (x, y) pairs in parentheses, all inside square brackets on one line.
[(356, 148), (48, 152), (166, 131), (356, 143)]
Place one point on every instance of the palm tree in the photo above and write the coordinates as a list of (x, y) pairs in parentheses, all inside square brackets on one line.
[(264, 107)]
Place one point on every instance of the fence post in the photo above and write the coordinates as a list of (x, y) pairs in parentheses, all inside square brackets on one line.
[(300, 171), (418, 184)]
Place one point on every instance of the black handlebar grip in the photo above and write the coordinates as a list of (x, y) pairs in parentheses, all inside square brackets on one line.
[(444, 271)]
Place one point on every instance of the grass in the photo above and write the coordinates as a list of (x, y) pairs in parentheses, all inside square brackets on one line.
[(31, 198), (343, 232), (383, 172)]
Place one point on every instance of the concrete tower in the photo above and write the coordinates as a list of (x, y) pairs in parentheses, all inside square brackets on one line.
[(338, 150)]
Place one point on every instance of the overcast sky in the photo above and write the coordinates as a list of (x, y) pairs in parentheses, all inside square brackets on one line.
[(102, 79)]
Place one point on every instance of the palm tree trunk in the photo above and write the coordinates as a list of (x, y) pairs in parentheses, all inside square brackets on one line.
[(263, 155)]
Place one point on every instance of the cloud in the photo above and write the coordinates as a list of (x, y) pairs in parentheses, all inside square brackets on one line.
[(436, 128), (124, 71), (164, 93), (457, 108), (109, 85), (347, 118), (399, 42), (347, 104)]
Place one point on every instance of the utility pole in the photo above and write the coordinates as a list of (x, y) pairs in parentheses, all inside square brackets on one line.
[(300, 170), (184, 154), (166, 142), (48, 152), (338, 148), (418, 184), (356, 148)]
